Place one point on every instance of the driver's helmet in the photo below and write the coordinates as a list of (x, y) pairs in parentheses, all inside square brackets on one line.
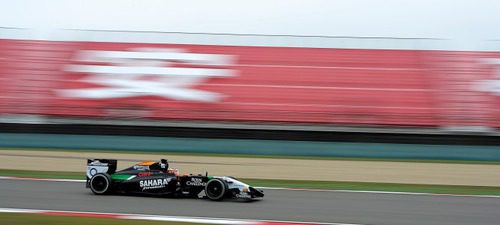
[(164, 165)]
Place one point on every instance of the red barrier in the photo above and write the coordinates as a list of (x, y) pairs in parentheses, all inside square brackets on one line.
[(234, 83)]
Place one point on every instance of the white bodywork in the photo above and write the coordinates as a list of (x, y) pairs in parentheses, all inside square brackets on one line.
[(96, 167), (236, 184)]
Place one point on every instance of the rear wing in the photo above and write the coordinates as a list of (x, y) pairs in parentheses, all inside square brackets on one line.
[(95, 166)]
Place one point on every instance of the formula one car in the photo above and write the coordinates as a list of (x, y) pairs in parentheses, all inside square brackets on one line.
[(156, 178)]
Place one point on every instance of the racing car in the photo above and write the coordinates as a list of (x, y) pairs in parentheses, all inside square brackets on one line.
[(156, 178)]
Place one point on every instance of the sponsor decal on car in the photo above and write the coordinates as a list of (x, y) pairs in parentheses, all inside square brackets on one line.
[(153, 183), (243, 195), (97, 163), (145, 174), (93, 171), (141, 167), (196, 182)]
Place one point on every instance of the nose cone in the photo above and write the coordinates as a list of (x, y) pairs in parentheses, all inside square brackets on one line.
[(256, 192)]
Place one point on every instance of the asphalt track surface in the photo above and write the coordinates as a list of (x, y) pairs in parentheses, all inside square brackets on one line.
[(289, 205)]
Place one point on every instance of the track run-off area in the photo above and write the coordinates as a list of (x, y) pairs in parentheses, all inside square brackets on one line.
[(336, 207)]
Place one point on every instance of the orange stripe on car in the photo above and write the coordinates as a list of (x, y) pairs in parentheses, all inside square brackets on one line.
[(146, 163)]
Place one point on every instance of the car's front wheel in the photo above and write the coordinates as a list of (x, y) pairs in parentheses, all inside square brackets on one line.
[(215, 189), (100, 184)]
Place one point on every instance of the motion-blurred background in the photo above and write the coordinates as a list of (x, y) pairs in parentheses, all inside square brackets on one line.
[(381, 95), (316, 78)]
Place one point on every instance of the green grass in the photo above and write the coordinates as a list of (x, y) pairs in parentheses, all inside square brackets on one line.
[(260, 156), (43, 174), (336, 185), (368, 186), (34, 219)]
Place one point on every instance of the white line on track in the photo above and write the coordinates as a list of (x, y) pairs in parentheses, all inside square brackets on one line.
[(380, 192), (185, 219), (40, 179), (286, 189)]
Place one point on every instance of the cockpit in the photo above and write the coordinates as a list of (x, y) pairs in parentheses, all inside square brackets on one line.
[(152, 166)]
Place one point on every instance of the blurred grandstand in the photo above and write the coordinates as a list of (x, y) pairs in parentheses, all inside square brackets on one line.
[(245, 82)]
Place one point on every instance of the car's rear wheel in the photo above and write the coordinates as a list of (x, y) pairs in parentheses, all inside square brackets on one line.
[(100, 184), (215, 189)]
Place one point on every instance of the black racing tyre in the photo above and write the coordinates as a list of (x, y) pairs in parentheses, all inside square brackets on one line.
[(216, 189), (100, 184)]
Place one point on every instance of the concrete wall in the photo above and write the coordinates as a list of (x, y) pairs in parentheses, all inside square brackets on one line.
[(251, 146)]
